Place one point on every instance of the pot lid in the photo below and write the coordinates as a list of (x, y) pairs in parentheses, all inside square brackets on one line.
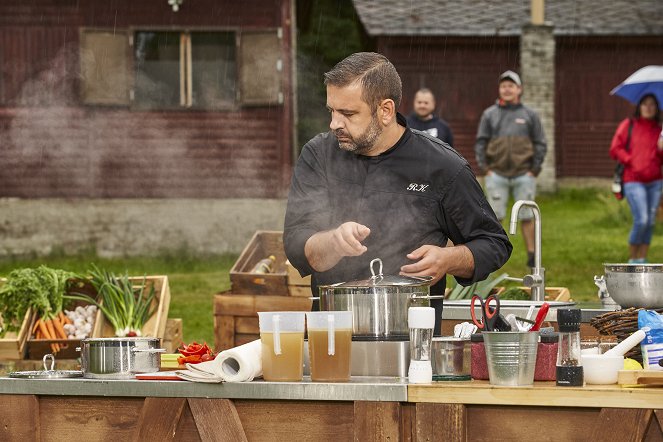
[(380, 280), (48, 372)]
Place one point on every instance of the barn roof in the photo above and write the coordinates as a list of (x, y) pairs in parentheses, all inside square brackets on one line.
[(505, 18)]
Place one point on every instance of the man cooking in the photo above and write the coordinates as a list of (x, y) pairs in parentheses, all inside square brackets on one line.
[(372, 188)]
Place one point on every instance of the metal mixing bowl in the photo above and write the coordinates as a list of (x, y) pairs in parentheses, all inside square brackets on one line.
[(635, 285)]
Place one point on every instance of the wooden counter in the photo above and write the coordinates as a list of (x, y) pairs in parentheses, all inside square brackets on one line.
[(261, 411)]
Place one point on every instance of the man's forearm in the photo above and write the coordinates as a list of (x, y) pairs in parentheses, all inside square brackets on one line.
[(461, 261), (320, 252)]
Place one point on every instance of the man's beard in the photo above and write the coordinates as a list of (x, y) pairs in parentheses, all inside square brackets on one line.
[(364, 142)]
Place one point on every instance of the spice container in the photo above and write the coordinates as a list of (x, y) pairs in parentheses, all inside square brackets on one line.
[(569, 364), (479, 364), (546, 357)]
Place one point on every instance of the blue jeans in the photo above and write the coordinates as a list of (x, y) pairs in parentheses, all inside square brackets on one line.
[(644, 199)]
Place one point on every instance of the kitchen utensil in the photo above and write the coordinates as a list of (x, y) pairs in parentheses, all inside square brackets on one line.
[(511, 357), (568, 368), (540, 316), (601, 369), (489, 313), (451, 357), (49, 372), (635, 285), (464, 330), (420, 321), (379, 305), (119, 358), (627, 344), (640, 377)]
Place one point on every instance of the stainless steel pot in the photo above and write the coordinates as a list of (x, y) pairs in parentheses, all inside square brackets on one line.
[(635, 285), (379, 304), (119, 358), (451, 358)]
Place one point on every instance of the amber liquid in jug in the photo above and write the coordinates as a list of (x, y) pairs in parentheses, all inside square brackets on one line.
[(325, 367), (289, 365)]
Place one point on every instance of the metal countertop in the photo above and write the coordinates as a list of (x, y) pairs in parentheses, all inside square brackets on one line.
[(358, 389)]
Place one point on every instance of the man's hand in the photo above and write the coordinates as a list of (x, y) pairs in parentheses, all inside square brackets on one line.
[(325, 249), (437, 261)]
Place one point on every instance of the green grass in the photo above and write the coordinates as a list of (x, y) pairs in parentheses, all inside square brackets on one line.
[(581, 229)]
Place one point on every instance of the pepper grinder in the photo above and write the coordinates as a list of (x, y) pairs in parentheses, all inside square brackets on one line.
[(569, 370), (421, 321)]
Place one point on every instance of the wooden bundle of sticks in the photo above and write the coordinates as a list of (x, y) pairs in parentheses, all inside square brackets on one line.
[(620, 324)]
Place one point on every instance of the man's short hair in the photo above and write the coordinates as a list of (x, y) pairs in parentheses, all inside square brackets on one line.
[(425, 90), (377, 76)]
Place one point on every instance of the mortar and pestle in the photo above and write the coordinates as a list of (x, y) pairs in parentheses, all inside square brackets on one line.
[(602, 369)]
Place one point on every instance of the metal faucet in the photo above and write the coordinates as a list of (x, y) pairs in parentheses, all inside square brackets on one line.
[(536, 281)]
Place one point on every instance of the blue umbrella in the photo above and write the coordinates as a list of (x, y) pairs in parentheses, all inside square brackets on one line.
[(644, 81)]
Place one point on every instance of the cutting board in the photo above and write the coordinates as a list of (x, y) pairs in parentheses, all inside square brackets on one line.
[(640, 377)]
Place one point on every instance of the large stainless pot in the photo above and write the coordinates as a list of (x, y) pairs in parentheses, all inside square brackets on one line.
[(119, 358), (379, 304), (635, 285)]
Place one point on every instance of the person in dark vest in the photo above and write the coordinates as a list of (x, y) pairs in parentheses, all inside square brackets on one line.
[(423, 118), (372, 188)]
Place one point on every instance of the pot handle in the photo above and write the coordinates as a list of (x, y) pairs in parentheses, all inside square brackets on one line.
[(314, 298), (428, 297), (148, 350)]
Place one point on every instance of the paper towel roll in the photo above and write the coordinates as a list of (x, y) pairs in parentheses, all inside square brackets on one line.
[(239, 364)]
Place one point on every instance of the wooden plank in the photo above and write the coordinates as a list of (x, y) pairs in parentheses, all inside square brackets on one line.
[(540, 394), (408, 423), (301, 421), (655, 430), (12, 345), (429, 416), (173, 337), (247, 324), (19, 418), (487, 423), (622, 424), (263, 244), (224, 332), (376, 421), (159, 419), (300, 290), (216, 420), (241, 339), (643, 377), (88, 418), (248, 305), (186, 429)]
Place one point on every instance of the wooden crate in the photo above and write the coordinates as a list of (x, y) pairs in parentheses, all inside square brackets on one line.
[(297, 286), (173, 337), (12, 346), (561, 294), (263, 244), (156, 324), (236, 315)]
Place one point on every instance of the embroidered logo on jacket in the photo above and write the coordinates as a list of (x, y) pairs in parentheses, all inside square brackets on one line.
[(417, 187)]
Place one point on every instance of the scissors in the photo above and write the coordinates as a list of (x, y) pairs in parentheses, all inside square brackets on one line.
[(489, 313)]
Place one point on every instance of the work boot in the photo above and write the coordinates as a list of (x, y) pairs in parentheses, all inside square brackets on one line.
[(530, 259)]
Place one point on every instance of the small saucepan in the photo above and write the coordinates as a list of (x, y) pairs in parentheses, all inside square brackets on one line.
[(119, 358)]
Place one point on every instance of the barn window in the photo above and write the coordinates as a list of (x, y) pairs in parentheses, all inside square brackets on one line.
[(173, 69)]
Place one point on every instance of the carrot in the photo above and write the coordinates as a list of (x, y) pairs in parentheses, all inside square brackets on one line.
[(59, 330), (51, 332), (64, 319), (44, 331), (36, 326)]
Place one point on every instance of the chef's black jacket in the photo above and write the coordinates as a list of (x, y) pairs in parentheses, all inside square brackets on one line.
[(420, 191)]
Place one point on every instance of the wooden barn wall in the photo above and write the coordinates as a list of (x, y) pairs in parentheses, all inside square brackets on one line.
[(53, 146), (587, 69), (461, 72)]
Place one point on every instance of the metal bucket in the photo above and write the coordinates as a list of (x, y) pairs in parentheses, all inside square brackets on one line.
[(511, 357)]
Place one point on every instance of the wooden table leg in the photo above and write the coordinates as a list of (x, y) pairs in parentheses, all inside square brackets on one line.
[(217, 420), (623, 424), (376, 421), (159, 418), (19, 418), (441, 422)]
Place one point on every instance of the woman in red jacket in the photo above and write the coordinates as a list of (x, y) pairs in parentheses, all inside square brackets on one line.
[(642, 160)]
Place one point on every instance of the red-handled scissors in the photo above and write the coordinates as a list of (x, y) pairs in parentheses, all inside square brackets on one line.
[(489, 313)]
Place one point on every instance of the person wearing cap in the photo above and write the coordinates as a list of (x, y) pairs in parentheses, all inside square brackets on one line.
[(510, 148), (422, 118)]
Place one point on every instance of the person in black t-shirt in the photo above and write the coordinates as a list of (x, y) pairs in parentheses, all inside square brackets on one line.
[(423, 119)]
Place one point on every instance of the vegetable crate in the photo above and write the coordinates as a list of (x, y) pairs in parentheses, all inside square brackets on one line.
[(12, 346), (156, 325), (263, 244), (236, 315)]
